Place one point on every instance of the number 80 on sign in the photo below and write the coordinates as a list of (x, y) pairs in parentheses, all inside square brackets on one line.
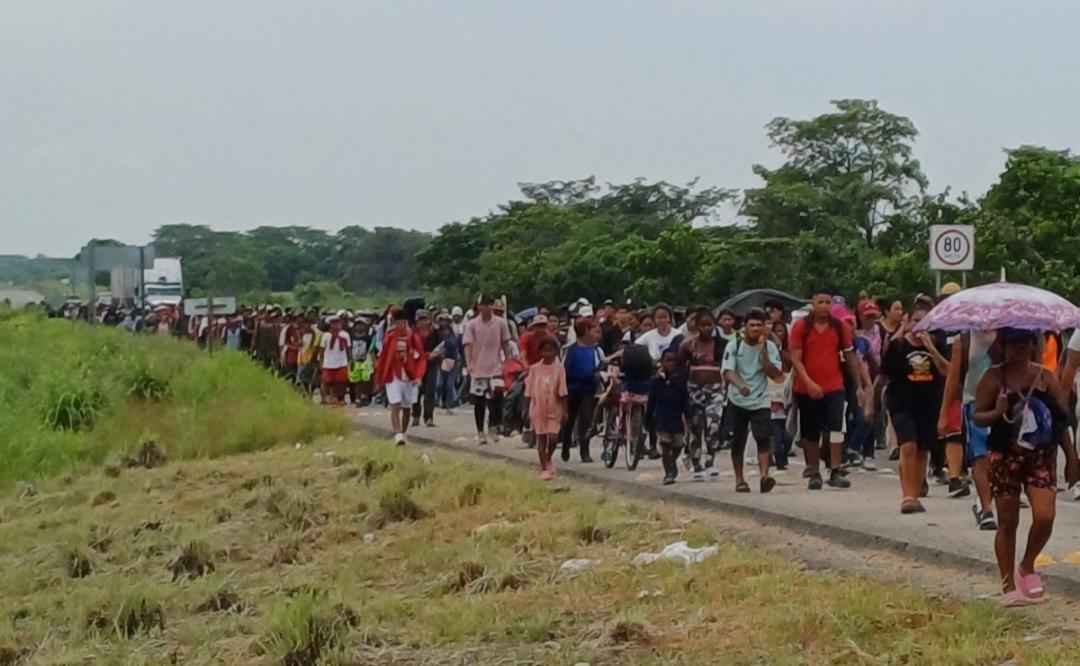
[(952, 247)]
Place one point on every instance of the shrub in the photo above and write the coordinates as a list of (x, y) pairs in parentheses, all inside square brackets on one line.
[(145, 385), (69, 406)]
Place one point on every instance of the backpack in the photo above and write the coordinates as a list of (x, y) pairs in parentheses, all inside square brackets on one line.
[(837, 326), (637, 363)]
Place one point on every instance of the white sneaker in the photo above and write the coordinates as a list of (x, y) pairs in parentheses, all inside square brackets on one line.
[(869, 465), (481, 438), (712, 472), (399, 439), (697, 476), (449, 412), (493, 434)]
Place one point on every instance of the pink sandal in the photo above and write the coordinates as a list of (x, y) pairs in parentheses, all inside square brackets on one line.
[(546, 474), (1017, 599), (1030, 584)]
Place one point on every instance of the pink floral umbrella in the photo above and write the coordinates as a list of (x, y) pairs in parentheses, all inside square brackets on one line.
[(1001, 305)]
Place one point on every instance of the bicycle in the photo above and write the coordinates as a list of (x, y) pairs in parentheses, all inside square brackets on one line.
[(625, 428)]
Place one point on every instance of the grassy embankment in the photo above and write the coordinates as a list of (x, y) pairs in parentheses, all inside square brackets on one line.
[(74, 393), (373, 554)]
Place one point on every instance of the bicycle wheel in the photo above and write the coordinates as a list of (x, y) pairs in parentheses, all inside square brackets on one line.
[(635, 437), (611, 439)]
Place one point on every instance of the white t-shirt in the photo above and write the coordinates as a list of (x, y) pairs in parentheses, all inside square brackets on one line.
[(656, 343), (338, 357), (1074, 341)]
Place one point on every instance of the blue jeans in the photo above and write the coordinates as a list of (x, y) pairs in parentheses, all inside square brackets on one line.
[(782, 441), (446, 386), (860, 434)]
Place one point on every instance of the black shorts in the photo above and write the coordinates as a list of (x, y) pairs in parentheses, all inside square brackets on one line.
[(820, 416), (918, 427), (750, 420)]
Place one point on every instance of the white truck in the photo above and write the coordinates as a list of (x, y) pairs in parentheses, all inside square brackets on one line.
[(164, 282)]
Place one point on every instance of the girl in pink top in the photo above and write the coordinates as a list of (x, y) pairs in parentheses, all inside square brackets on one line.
[(546, 389)]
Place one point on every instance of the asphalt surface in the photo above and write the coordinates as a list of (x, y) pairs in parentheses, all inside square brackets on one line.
[(866, 515)]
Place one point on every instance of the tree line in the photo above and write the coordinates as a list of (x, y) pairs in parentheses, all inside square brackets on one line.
[(849, 207)]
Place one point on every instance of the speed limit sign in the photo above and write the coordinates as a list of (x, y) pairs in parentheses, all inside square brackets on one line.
[(952, 247)]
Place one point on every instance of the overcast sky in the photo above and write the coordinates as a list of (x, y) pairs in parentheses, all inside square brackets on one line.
[(117, 117)]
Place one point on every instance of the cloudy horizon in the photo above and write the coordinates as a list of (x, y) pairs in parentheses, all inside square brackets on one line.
[(121, 116)]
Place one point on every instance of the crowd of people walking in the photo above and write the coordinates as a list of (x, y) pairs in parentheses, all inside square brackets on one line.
[(985, 409)]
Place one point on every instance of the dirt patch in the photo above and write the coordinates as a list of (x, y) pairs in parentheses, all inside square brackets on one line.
[(470, 495), (9, 656), (294, 509), (222, 514), (348, 474), (321, 636), (397, 506), (221, 602), (287, 553), (140, 617), (79, 564), (373, 469), (592, 534), (194, 560), (104, 497), (630, 631), (149, 456), (100, 540), (469, 573), (148, 526)]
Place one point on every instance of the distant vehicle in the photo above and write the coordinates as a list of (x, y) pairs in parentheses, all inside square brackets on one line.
[(105, 298), (164, 283), (124, 283)]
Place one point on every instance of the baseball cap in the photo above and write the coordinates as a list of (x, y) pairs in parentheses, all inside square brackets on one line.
[(950, 288), (539, 320), (457, 311)]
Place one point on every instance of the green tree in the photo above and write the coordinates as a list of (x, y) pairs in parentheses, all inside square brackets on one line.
[(232, 275), (1029, 221), (847, 171)]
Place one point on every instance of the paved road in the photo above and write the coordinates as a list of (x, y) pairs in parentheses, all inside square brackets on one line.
[(867, 514)]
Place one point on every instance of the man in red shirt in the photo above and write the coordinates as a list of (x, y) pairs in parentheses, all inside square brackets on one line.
[(817, 343)]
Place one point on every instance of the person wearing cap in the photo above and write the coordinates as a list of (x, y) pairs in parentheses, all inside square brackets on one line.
[(449, 363), (457, 315), (607, 315), (486, 342), (231, 336), (948, 289), (530, 339), (400, 370), (336, 354)]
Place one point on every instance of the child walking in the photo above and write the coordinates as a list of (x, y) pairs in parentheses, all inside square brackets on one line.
[(668, 412), (545, 387)]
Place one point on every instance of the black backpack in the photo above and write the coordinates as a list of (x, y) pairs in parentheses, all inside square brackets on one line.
[(636, 362)]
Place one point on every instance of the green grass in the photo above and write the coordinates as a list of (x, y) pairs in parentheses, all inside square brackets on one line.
[(75, 394), (393, 560)]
